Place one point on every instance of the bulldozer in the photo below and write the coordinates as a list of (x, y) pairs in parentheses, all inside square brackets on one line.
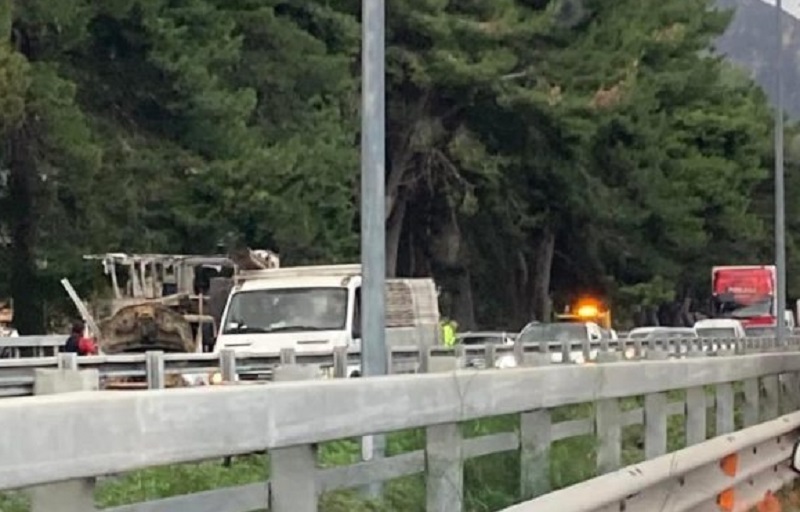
[(161, 301)]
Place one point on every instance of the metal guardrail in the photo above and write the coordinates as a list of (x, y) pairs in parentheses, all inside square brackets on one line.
[(39, 346), (131, 431), (730, 472), (17, 375)]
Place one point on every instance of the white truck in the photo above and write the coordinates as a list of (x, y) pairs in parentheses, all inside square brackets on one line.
[(317, 308)]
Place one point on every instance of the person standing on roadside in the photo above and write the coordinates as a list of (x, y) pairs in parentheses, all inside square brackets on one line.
[(449, 328), (78, 343)]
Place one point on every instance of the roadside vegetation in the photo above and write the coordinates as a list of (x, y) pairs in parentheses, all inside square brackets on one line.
[(537, 150)]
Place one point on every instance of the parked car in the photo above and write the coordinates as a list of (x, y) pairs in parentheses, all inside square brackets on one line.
[(487, 338), (719, 328), (645, 334), (575, 334)]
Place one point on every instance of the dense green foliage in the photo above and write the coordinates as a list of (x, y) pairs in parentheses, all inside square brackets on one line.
[(536, 149)]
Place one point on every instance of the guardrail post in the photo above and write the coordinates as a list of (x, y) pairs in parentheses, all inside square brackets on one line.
[(444, 460), (724, 409), (789, 392), (389, 360), (73, 495), (67, 361), (638, 349), (655, 425), (541, 357), (656, 350), (519, 352), (674, 346), (535, 438), (759, 344), (608, 424), (695, 419), (460, 353), (288, 356), (566, 352), (607, 354), (227, 365), (489, 355), (154, 369), (608, 427), (227, 372), (752, 394), (726, 347), (293, 470), (586, 349), (340, 362), (424, 360), (772, 396)]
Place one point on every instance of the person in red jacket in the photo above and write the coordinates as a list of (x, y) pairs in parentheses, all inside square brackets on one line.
[(87, 347), (78, 343)]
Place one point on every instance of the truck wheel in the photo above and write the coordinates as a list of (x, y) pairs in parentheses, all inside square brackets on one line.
[(355, 374)]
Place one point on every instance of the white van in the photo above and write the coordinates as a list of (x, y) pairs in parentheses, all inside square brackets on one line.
[(316, 308), (719, 328)]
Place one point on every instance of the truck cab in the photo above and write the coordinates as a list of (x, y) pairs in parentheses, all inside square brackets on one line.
[(316, 308), (745, 293)]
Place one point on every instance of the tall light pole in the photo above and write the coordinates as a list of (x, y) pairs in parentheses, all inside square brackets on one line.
[(373, 207), (373, 195), (780, 215)]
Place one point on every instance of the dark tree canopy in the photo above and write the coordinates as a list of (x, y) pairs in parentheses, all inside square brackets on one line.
[(536, 149)]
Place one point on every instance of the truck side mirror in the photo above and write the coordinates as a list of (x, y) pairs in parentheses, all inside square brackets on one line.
[(795, 463)]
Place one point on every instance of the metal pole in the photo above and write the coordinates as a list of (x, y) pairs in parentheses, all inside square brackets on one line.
[(373, 208), (373, 185), (780, 227)]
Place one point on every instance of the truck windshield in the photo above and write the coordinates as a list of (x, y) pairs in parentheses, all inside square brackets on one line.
[(728, 306), (554, 332), (762, 308), (287, 310)]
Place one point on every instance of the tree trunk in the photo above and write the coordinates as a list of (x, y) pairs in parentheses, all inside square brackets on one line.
[(28, 313), (540, 274), (517, 290), (394, 230), (463, 305), (399, 166)]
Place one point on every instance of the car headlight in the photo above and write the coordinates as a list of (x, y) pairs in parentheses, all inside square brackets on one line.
[(215, 378)]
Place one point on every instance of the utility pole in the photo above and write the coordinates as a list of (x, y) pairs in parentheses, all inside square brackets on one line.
[(373, 190), (780, 215), (373, 208)]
